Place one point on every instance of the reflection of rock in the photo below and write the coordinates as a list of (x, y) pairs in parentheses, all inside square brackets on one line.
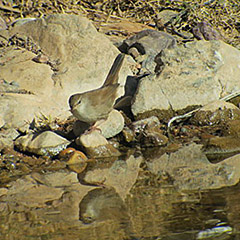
[(190, 169), (193, 74), (219, 148), (121, 174), (46, 143)]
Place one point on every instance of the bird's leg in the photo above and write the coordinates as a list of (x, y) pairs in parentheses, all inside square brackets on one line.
[(95, 127)]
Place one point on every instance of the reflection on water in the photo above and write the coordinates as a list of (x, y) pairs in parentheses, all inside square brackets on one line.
[(149, 212)]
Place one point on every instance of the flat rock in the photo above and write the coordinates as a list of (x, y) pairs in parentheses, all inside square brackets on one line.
[(79, 59), (193, 74), (46, 143)]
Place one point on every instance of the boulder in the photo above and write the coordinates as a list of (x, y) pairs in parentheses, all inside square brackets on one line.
[(78, 59), (193, 74)]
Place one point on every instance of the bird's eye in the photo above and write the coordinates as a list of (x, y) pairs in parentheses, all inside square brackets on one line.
[(79, 101)]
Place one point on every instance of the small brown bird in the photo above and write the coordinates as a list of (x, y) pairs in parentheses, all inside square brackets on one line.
[(96, 104)]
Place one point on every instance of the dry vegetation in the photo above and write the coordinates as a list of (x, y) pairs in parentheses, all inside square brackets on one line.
[(224, 15)]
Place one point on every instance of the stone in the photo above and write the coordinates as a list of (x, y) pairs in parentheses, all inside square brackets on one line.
[(46, 143), (218, 112), (204, 30), (113, 125), (75, 64), (96, 145), (109, 128), (149, 43), (7, 136), (193, 74), (233, 128), (147, 131)]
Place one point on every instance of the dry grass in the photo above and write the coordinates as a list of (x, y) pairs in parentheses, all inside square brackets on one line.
[(224, 15)]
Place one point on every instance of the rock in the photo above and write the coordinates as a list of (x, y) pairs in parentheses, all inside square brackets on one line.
[(69, 69), (109, 128), (46, 143), (96, 145), (149, 43), (166, 16), (218, 112), (193, 74), (190, 169), (147, 132), (7, 136), (76, 160), (128, 134), (204, 30), (121, 174), (113, 125)]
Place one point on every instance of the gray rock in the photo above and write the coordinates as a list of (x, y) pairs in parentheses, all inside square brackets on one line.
[(79, 60), (46, 143), (193, 74), (148, 43)]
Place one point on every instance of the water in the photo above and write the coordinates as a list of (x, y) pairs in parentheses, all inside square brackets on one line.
[(152, 210)]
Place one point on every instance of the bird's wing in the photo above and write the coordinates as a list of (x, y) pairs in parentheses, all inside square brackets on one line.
[(104, 97)]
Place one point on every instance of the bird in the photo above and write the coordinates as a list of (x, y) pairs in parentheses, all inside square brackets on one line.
[(94, 105)]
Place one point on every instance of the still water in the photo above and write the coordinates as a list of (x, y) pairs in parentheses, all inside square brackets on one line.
[(151, 210)]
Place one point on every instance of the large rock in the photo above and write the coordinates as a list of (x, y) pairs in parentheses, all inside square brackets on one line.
[(193, 74), (77, 59)]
